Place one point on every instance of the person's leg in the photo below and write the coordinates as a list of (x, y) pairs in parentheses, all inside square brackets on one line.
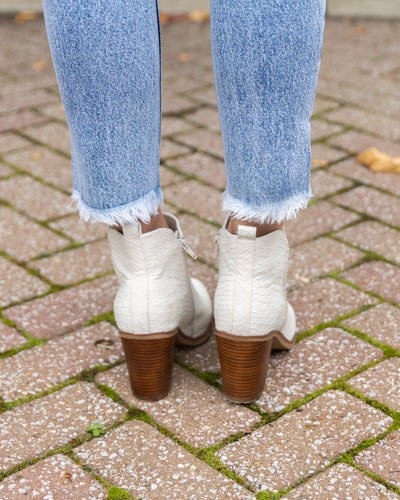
[(266, 56), (107, 60)]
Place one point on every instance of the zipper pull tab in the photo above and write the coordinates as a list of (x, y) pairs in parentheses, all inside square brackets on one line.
[(187, 249), (216, 247)]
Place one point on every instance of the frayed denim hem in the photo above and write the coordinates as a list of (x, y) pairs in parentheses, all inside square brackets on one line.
[(266, 214), (130, 213)]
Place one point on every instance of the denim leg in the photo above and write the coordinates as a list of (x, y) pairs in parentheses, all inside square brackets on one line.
[(107, 60), (266, 56)]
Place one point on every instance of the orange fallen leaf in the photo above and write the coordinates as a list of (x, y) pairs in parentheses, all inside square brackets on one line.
[(319, 163), (40, 65), (24, 16), (198, 16), (359, 30), (164, 18), (184, 57), (36, 155), (378, 161)]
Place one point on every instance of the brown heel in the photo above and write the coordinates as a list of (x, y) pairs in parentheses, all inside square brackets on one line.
[(244, 365), (149, 358)]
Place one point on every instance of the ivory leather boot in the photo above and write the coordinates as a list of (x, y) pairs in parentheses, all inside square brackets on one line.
[(252, 314), (157, 303)]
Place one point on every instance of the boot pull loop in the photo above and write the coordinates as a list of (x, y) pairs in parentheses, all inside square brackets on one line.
[(248, 232)]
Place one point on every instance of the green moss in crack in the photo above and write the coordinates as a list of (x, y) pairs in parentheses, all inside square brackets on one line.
[(210, 378), (388, 350), (108, 316), (138, 414), (372, 402), (377, 478), (207, 456), (27, 399), (115, 493), (112, 394)]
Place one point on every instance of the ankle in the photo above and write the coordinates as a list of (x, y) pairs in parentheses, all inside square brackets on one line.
[(156, 221), (262, 229)]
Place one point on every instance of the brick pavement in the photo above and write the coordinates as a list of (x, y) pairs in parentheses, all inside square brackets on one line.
[(327, 423)]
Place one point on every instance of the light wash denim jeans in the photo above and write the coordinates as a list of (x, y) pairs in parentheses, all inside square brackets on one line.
[(266, 56)]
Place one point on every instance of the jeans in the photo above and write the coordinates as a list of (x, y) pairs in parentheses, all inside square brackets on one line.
[(266, 56)]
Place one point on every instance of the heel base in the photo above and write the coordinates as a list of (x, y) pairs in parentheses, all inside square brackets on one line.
[(149, 362), (244, 366)]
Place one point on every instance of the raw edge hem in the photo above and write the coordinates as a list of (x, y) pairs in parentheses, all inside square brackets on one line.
[(130, 213), (266, 214)]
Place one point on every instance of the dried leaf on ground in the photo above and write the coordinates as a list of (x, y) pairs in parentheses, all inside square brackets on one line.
[(199, 16), (164, 18), (36, 155), (183, 57), (40, 65), (196, 16), (319, 163), (359, 30), (23, 17), (378, 161)]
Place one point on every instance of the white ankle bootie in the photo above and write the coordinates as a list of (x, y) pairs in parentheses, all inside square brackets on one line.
[(251, 311), (157, 303)]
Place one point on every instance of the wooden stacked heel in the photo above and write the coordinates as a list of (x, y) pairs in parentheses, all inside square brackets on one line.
[(244, 365), (149, 358)]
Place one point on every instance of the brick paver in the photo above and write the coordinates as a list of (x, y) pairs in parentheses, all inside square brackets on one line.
[(381, 322), (16, 284), (374, 237), (53, 421), (376, 276), (66, 268), (292, 375), (351, 168), (374, 123), (383, 458), (50, 134), (317, 219), (35, 199), (57, 477), (41, 367), (372, 202), (40, 162), (54, 314), (171, 149), (354, 215), (316, 258), (204, 140), (195, 197), (207, 168), (324, 301), (208, 417), (324, 183), (149, 465), (73, 227), (9, 338), (10, 141), (14, 229), (320, 152), (355, 142), (301, 443), (5, 171), (321, 130), (341, 482), (381, 382)]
